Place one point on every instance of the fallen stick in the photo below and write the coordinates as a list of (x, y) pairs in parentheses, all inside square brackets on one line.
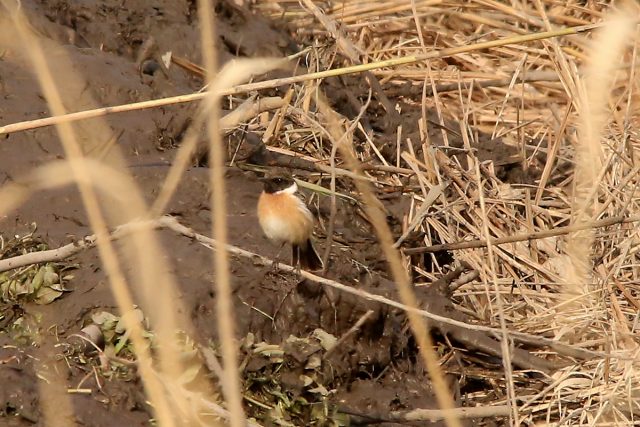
[(430, 414), (249, 110), (171, 223), (355, 328), (474, 337), (481, 243), (436, 414), (531, 77), (59, 254)]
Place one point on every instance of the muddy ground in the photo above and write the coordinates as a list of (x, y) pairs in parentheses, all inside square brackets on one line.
[(117, 49)]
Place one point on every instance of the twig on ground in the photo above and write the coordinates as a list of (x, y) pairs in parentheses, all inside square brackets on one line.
[(429, 414), (211, 362), (472, 244), (63, 252), (355, 328), (464, 279), (172, 224), (536, 76)]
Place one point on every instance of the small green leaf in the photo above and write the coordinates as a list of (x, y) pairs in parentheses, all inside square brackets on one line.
[(106, 320), (320, 189), (37, 281), (327, 341), (46, 295), (319, 390), (50, 276), (122, 342)]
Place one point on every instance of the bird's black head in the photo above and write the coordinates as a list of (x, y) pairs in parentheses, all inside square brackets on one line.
[(275, 183)]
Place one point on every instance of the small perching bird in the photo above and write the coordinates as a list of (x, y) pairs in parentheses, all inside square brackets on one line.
[(285, 218)]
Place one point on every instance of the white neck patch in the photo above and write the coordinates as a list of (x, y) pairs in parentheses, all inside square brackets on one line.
[(292, 189)]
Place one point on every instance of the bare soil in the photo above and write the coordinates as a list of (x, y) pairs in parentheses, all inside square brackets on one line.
[(374, 373)]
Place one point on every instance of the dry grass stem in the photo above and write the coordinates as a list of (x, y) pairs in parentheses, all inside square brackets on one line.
[(393, 257), (231, 381), (559, 231), (250, 87)]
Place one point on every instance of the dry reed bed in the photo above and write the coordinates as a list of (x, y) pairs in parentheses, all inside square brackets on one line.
[(479, 93)]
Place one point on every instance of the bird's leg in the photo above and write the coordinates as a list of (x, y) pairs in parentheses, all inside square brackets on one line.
[(276, 260), (297, 261)]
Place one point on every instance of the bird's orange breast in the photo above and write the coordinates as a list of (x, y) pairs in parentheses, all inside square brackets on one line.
[(284, 218)]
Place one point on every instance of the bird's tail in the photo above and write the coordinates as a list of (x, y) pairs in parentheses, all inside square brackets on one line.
[(307, 256)]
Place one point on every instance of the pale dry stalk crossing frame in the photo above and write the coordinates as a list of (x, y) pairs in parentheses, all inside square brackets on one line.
[(394, 258), (225, 318), (250, 87)]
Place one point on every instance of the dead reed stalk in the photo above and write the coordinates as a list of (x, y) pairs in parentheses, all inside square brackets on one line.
[(231, 382)]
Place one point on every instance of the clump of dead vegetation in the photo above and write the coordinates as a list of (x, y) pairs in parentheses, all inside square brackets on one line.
[(512, 157), (41, 283)]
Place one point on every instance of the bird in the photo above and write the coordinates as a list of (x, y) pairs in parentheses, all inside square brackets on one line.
[(285, 218)]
